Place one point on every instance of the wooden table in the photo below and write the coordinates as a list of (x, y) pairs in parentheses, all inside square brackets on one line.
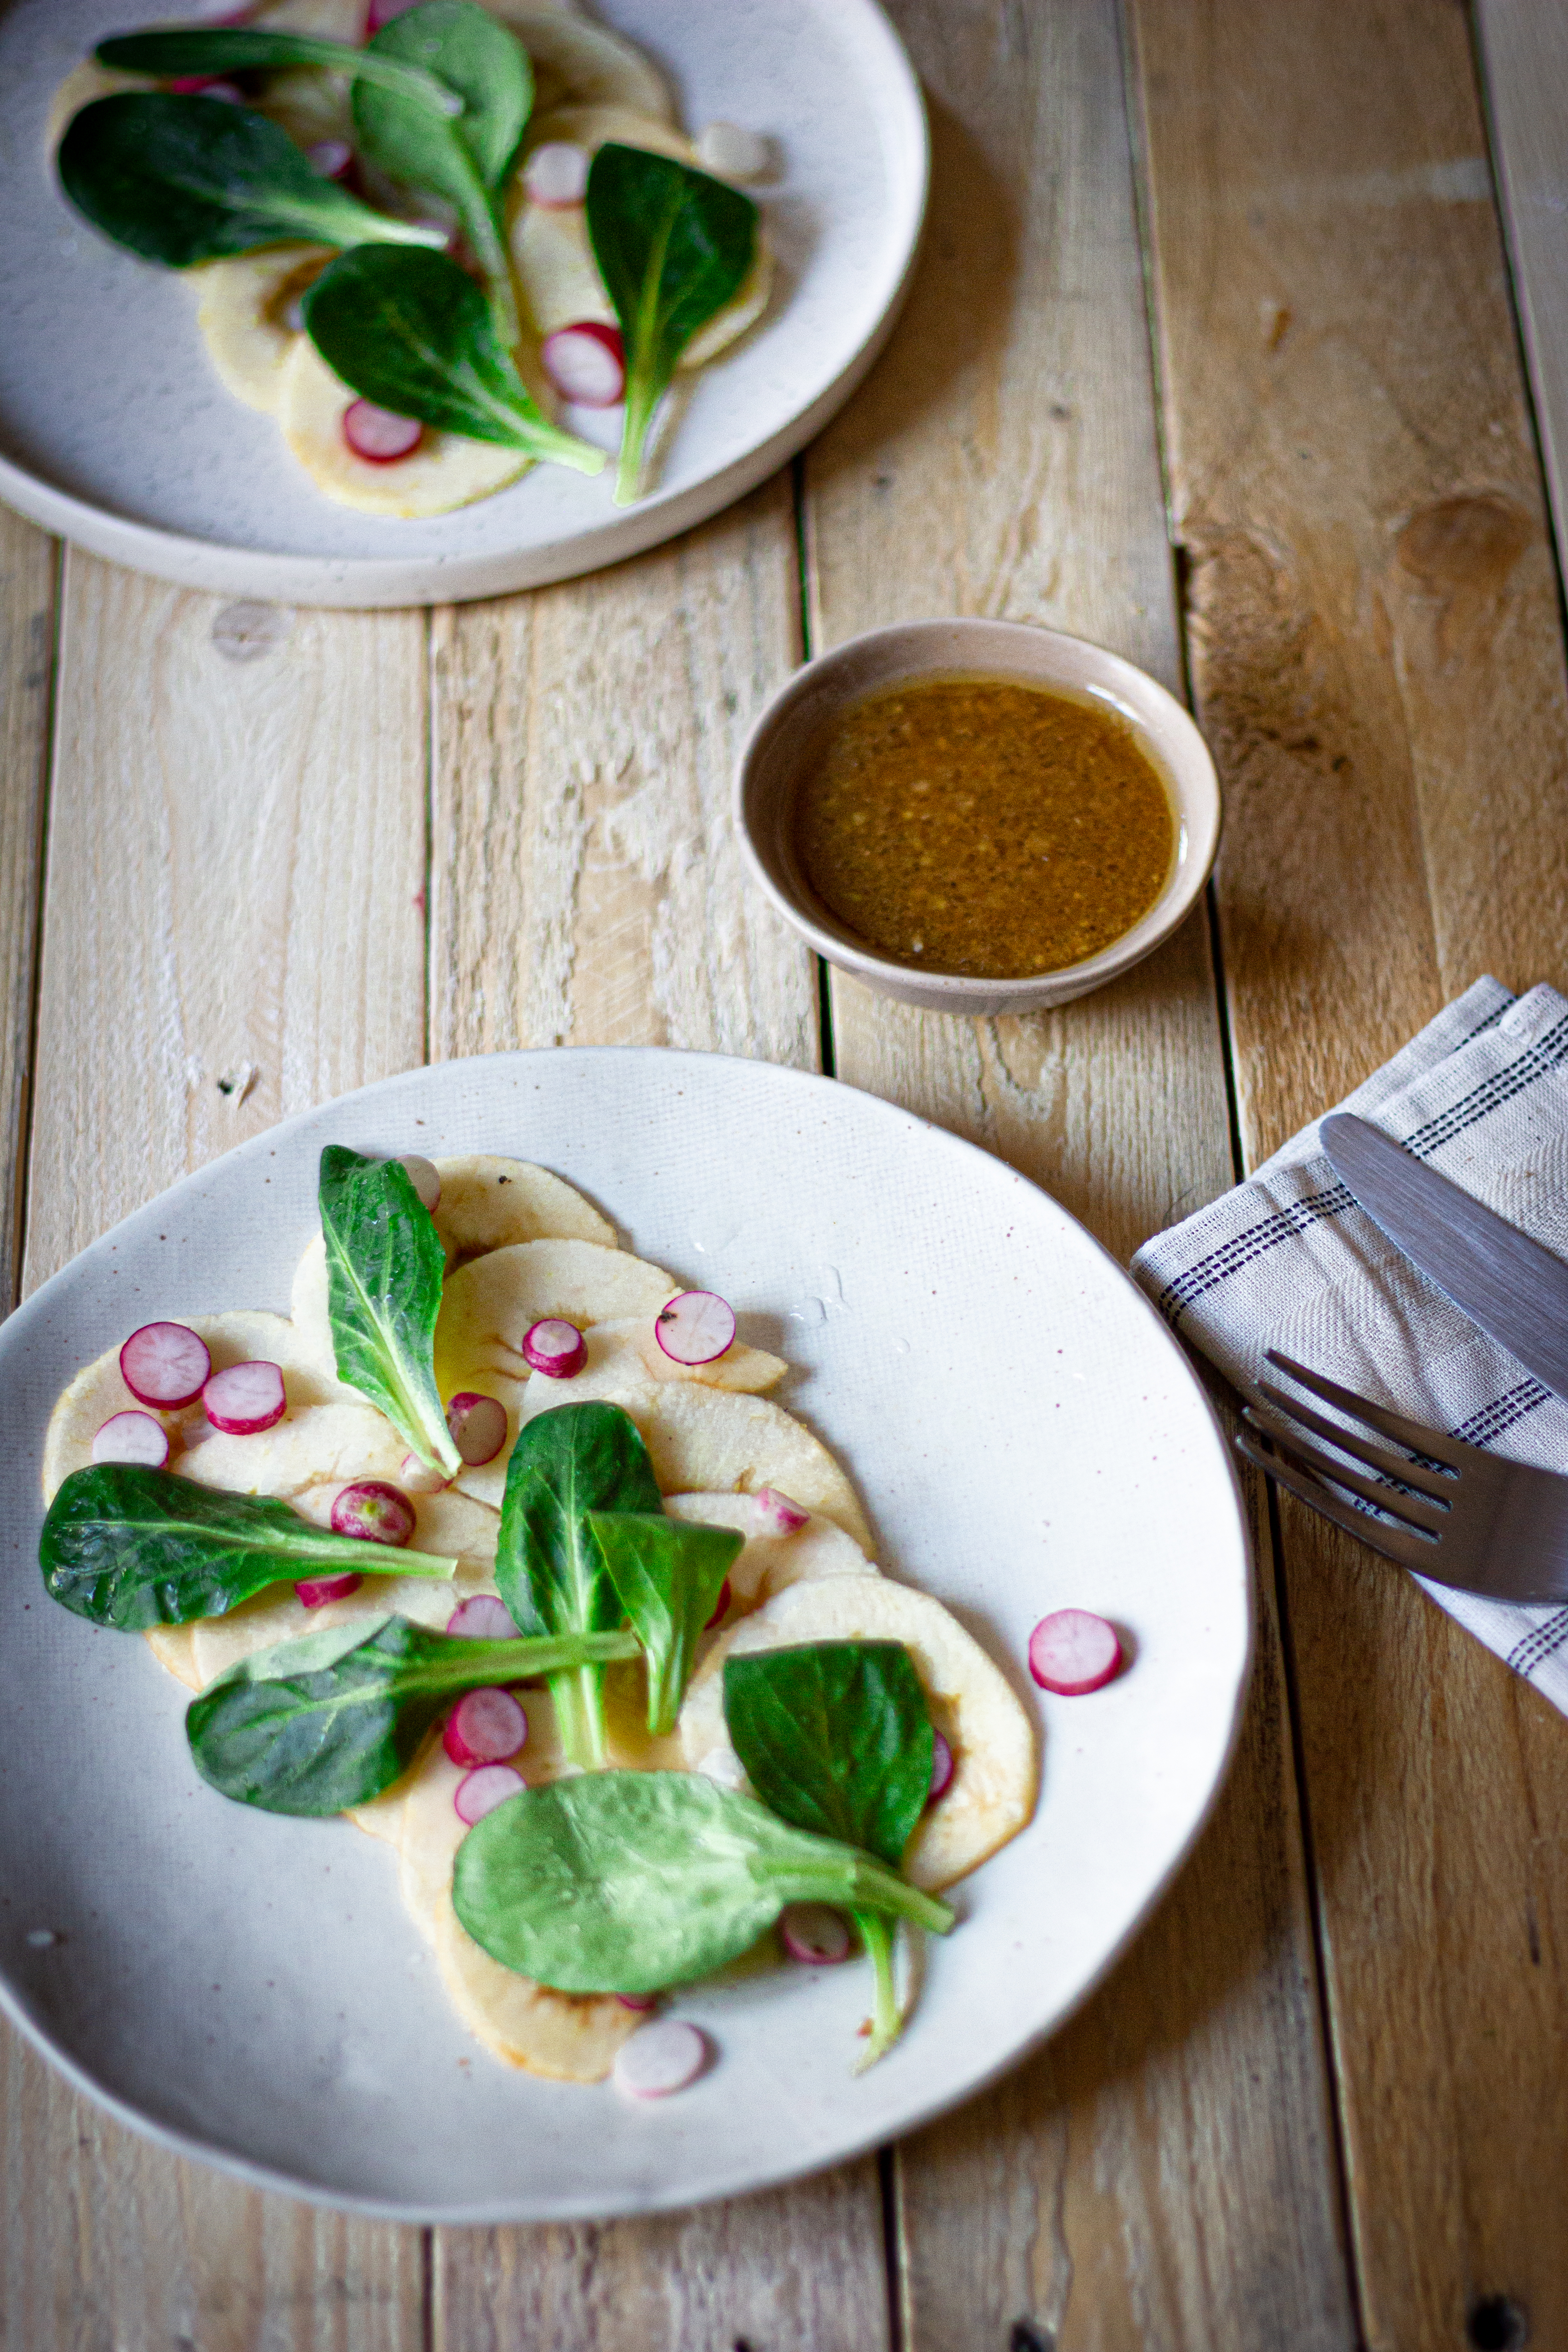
[(1217, 276)]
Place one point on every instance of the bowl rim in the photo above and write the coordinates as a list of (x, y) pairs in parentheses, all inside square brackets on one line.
[(1198, 806)]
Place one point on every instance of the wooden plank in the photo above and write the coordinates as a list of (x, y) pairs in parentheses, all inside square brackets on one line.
[(1524, 50), (222, 775), (585, 889), (1164, 2174), (27, 570), (1378, 661)]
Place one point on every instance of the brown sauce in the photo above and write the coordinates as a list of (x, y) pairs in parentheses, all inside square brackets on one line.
[(969, 825)]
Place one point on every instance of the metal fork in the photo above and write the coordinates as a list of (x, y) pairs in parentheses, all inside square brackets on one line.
[(1476, 1523)]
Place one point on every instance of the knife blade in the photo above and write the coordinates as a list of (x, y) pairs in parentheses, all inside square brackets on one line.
[(1512, 1286)]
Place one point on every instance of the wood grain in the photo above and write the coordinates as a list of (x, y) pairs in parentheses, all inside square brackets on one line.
[(585, 889), (1524, 49), (27, 580), (1164, 2174), (1378, 662), (222, 776)]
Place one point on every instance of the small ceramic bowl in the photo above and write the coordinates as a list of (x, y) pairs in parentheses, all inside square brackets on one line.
[(782, 739)]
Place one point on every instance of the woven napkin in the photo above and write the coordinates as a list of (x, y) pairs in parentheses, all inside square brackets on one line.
[(1289, 1261)]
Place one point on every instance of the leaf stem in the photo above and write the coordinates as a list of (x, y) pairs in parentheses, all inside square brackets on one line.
[(578, 1698), (887, 2017)]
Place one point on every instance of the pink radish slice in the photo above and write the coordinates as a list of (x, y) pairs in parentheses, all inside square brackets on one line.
[(815, 1934), (662, 2058), (377, 435), (244, 1398), (554, 1348), (486, 1726), (164, 1364), (556, 175), (425, 1178), (637, 2000), (587, 363), (1073, 1653), (482, 1619), (381, 12), (375, 1512), (331, 157), (719, 1606), (421, 1477), (132, 1437), (478, 1425), (696, 1327), (478, 1793), (777, 1513), (940, 1766), (315, 1592)]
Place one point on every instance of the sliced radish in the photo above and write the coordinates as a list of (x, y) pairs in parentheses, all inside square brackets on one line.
[(587, 363), (695, 1328), (381, 12), (719, 1606), (421, 1477), (556, 175), (478, 1425), (486, 1726), (377, 435), (132, 1437), (315, 1592), (478, 1793), (555, 1348), (940, 1766), (1073, 1653), (814, 1933), (483, 1619), (778, 1515), (164, 1364), (332, 157), (426, 1178), (374, 1511), (207, 86), (662, 2058), (637, 2000), (244, 1398)]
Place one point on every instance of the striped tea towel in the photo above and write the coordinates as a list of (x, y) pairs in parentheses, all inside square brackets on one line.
[(1289, 1261)]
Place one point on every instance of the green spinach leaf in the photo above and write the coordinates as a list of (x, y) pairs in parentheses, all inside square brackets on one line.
[(466, 160), (183, 180), (667, 1575), (567, 1464), (630, 1882), (672, 246), (190, 50), (129, 1547), (419, 340), (384, 1270), (835, 1737), (318, 1724)]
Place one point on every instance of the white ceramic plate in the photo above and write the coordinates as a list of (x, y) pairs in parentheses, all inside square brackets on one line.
[(1024, 1434), (115, 432)]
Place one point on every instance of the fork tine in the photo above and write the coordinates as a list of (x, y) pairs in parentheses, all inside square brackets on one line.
[(1391, 1466), (1403, 1507), (1420, 1440), (1406, 1552)]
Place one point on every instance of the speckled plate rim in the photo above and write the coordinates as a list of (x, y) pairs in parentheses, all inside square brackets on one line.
[(654, 1065), (366, 583)]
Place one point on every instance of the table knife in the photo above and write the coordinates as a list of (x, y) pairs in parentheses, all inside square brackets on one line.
[(1513, 1287)]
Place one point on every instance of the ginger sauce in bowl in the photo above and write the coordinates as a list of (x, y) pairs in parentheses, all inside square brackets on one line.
[(979, 817), (982, 826)]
